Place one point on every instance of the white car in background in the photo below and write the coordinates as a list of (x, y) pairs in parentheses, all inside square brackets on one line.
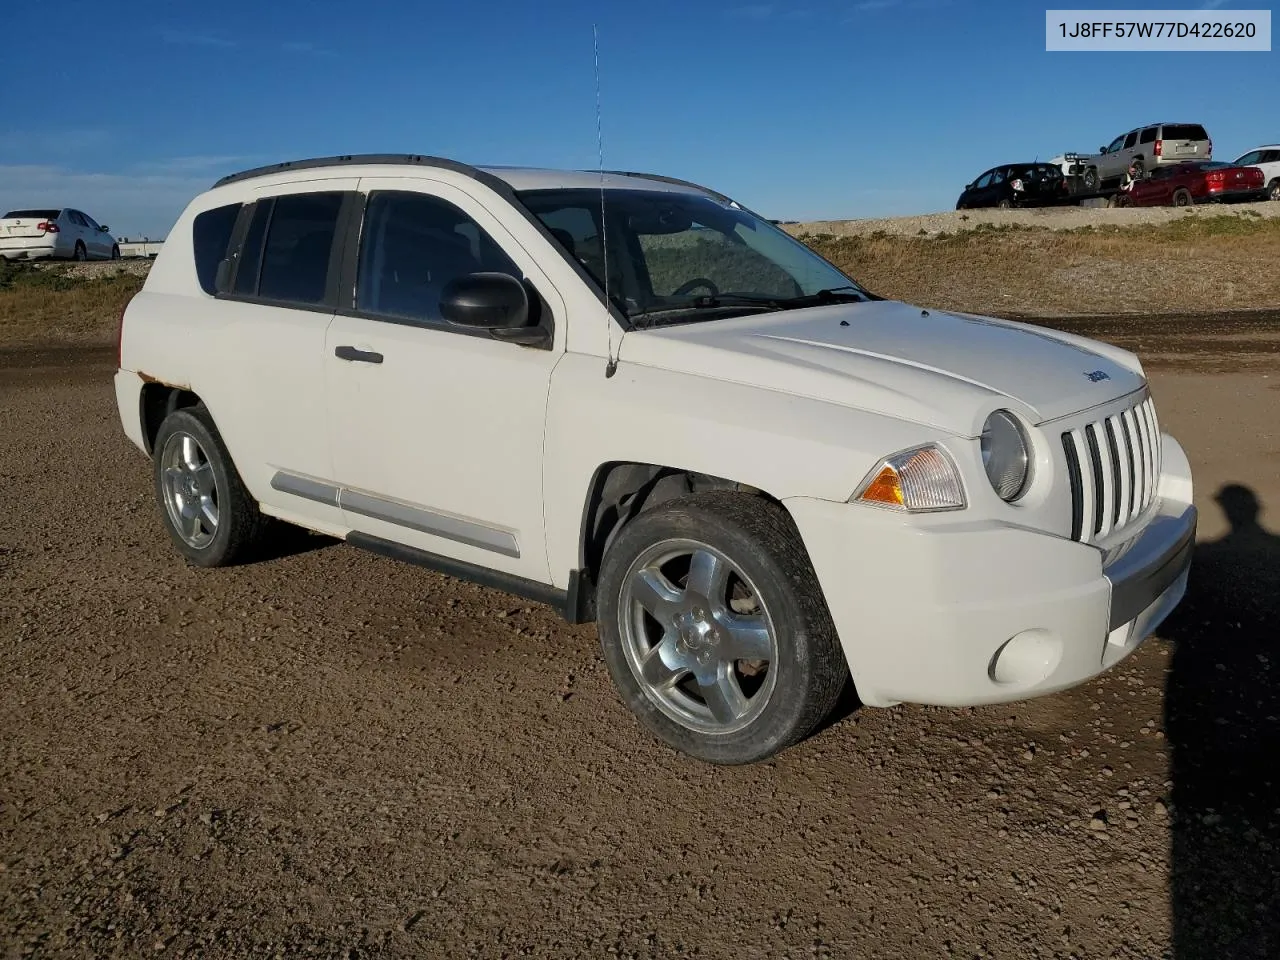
[(1266, 159), (44, 233)]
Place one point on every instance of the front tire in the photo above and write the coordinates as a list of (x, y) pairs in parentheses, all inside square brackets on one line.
[(115, 252), (1090, 179), (715, 630), (209, 515), (1273, 189)]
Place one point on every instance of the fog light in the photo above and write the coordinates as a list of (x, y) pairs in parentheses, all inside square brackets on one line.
[(1027, 659)]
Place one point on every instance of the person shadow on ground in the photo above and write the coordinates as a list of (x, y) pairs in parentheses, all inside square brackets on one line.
[(1222, 720)]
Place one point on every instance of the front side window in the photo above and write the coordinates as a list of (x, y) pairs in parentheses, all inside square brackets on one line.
[(669, 251), (1116, 144), (412, 246)]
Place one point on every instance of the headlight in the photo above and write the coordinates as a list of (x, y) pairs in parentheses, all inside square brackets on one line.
[(1006, 455), (919, 480)]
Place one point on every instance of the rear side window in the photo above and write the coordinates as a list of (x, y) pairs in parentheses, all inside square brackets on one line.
[(295, 260), (1131, 139), (210, 235), (286, 252), (1184, 131), (1148, 135)]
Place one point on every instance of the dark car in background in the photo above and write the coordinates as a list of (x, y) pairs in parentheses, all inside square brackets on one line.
[(1015, 185), (1196, 181)]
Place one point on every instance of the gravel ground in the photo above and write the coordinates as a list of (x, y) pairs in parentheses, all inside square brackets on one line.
[(93, 269), (1051, 218), (329, 754)]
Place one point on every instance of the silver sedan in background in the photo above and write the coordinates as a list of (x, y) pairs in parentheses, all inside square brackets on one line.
[(55, 233)]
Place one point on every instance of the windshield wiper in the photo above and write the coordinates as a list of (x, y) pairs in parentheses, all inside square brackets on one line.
[(848, 294), (718, 301)]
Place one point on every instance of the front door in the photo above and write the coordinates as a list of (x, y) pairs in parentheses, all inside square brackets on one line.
[(437, 430)]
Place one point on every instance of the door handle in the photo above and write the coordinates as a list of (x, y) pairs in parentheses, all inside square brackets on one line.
[(355, 355)]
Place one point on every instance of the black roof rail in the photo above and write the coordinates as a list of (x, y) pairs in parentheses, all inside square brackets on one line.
[(661, 178), (315, 163)]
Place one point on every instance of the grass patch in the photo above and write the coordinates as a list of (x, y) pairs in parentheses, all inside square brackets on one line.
[(54, 305)]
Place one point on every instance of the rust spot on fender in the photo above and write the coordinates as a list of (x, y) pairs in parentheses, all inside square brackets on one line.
[(148, 378)]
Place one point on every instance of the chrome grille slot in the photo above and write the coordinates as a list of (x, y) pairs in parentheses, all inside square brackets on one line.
[(1113, 466)]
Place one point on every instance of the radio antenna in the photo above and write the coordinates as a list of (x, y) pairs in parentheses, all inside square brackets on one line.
[(611, 366)]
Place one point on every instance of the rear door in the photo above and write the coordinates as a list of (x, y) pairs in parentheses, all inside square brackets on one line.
[(101, 241), (277, 297)]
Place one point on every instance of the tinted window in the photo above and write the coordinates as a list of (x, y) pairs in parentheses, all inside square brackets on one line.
[(210, 234), (89, 222), (997, 177), (1131, 139), (1253, 157), (983, 181), (1271, 156), (1148, 135), (1116, 144), (412, 246), (32, 215), (251, 252), (1184, 131), (295, 260), (75, 218)]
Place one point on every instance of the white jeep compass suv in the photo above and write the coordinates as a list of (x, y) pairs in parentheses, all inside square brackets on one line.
[(632, 398)]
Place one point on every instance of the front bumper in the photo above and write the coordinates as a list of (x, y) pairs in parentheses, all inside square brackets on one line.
[(980, 611)]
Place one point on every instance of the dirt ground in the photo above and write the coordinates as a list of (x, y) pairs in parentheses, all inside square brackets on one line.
[(329, 754)]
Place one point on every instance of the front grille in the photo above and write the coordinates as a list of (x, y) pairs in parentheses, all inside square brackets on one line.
[(1114, 466)]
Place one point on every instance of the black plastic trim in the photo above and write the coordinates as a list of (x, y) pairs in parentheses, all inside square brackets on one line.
[(1134, 587), (1077, 487), (570, 603), (345, 160)]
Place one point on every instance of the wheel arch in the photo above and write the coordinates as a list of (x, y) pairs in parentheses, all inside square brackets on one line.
[(620, 490), (156, 401)]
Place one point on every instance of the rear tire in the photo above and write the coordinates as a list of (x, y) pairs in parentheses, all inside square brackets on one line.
[(1005, 204), (81, 253), (715, 630), (206, 510), (1181, 198)]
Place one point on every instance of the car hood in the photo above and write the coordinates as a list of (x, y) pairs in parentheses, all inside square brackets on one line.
[(942, 369)]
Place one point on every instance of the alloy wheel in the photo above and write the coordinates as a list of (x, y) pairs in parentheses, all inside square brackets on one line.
[(190, 490), (697, 637)]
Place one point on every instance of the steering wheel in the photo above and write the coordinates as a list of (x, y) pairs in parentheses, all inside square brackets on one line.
[(691, 285)]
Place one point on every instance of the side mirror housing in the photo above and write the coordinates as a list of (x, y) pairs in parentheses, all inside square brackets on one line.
[(496, 302), (488, 301), (104, 228)]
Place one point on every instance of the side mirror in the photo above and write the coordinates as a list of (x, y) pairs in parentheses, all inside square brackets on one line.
[(104, 228), (1102, 149), (488, 301), (968, 186)]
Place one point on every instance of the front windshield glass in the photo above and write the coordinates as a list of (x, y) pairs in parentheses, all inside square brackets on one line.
[(671, 251)]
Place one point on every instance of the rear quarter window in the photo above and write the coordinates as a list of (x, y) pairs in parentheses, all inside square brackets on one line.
[(1148, 135), (210, 236)]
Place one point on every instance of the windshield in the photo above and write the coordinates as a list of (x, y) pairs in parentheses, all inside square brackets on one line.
[(671, 251)]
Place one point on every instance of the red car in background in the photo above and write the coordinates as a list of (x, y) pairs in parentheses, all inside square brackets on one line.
[(1196, 181)]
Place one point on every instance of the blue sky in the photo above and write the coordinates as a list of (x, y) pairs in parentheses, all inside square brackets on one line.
[(800, 110)]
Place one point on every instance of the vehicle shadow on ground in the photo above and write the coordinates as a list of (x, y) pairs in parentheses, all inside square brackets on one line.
[(285, 540), (1222, 720)]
